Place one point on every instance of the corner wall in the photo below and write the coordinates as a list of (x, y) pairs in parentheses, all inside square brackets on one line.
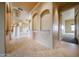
[(2, 16), (77, 22), (55, 25)]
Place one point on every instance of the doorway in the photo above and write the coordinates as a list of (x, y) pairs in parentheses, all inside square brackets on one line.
[(67, 27)]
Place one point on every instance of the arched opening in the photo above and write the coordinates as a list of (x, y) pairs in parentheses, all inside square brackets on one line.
[(35, 22), (45, 17)]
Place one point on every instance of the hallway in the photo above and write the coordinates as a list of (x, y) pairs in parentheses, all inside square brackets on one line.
[(26, 47), (35, 30)]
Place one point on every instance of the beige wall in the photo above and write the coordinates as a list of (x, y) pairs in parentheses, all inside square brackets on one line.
[(77, 28), (39, 9), (44, 24), (77, 22), (55, 23), (2, 38)]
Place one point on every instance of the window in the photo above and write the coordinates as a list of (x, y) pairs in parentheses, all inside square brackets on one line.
[(72, 27)]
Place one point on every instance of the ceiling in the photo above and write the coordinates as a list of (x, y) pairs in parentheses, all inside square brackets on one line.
[(62, 5), (59, 3), (27, 5)]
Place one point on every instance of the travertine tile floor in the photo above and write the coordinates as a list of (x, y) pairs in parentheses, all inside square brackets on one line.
[(25, 47)]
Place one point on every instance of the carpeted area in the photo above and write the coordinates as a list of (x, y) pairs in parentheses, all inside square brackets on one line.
[(69, 39)]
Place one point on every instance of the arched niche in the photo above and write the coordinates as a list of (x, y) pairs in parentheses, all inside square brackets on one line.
[(35, 22), (45, 12), (45, 20)]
